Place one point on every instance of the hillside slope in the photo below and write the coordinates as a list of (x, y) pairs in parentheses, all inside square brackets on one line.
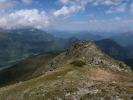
[(124, 39), (82, 72), (112, 48), (25, 69)]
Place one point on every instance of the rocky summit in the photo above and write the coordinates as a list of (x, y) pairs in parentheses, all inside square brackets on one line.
[(82, 72), (88, 53)]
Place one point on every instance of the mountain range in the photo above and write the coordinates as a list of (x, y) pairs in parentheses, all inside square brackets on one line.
[(16, 45), (81, 35), (124, 39), (80, 72), (19, 44), (44, 66)]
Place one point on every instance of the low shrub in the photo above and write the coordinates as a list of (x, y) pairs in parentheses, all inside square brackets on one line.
[(78, 63)]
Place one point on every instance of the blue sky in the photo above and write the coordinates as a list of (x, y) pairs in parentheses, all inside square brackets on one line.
[(73, 15)]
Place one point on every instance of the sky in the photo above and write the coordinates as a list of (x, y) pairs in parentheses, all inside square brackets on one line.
[(70, 15)]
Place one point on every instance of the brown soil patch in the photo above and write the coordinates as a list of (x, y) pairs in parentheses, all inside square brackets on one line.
[(107, 75)]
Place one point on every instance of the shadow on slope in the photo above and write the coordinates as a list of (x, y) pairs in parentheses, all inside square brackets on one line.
[(25, 69)]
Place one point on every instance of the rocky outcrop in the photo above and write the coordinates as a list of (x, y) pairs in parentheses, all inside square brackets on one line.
[(88, 52)]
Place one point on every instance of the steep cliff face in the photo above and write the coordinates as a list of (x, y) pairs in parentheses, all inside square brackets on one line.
[(82, 72)]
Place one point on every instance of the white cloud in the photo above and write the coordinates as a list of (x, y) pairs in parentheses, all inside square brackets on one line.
[(64, 1), (70, 7), (121, 8), (117, 18), (10, 3), (117, 9), (73, 6), (40, 19), (24, 18), (96, 25), (6, 4), (66, 11), (26, 1), (131, 8), (108, 2), (109, 12)]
